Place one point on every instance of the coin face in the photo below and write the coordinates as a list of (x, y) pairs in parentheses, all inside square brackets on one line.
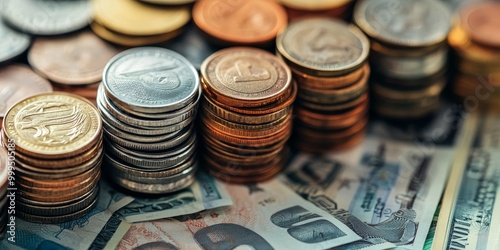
[(17, 82), (482, 22), (404, 22), (240, 21), (246, 74), (325, 46), (151, 78), (12, 43), (53, 124), (138, 19), (76, 59), (47, 17)]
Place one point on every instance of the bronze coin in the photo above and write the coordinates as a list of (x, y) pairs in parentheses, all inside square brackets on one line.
[(244, 22), (337, 82), (482, 22)]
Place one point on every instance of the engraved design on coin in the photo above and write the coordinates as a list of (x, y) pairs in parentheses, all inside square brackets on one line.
[(156, 78), (246, 74), (323, 46), (52, 122)]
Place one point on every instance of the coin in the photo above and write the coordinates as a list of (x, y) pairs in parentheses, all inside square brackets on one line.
[(461, 42), (46, 17), (75, 59), (314, 5), (481, 21), (403, 22), (17, 81), (12, 43), (169, 2), (134, 18), (150, 80), (240, 21), (53, 125), (311, 81), (323, 47), (247, 77)]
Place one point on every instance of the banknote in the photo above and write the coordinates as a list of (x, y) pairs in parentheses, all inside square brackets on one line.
[(388, 189), (77, 234), (264, 216), (204, 193), (471, 208)]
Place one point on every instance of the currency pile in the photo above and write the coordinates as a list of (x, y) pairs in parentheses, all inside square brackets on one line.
[(148, 101), (332, 103), (132, 23), (408, 54), (240, 22), (246, 114), (4, 202), (297, 9), (476, 45), (57, 140)]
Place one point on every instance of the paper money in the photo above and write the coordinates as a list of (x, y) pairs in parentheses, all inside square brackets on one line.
[(389, 192), (264, 216), (77, 234), (204, 193)]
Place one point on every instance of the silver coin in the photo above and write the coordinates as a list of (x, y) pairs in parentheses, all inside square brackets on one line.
[(128, 172), (12, 43), (323, 46), (168, 187), (150, 80), (47, 17), (404, 22)]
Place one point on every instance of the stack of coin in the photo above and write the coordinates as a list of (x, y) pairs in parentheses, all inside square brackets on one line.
[(4, 171), (328, 59), (318, 8), (240, 22), (408, 54), (132, 23), (57, 139), (46, 17), (148, 101), (18, 81), (476, 42), (246, 114)]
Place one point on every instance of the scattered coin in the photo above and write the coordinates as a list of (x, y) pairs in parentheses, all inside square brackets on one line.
[(12, 43)]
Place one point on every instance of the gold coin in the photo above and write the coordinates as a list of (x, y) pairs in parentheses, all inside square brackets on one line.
[(131, 41), (247, 77), (134, 18), (54, 125)]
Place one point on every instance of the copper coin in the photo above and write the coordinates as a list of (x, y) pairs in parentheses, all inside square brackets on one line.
[(482, 22), (337, 107), (75, 59), (323, 136), (243, 22), (332, 121), (18, 81), (340, 12), (236, 169), (330, 82), (241, 149), (246, 77), (131, 41)]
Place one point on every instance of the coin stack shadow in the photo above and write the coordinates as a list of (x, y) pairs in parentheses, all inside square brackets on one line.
[(298, 9), (246, 119), (4, 183), (56, 181), (332, 101), (408, 55), (150, 147), (134, 23), (478, 54)]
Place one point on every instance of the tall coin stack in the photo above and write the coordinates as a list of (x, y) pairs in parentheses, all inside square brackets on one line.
[(408, 54), (57, 140), (328, 60), (246, 114), (318, 8), (148, 101), (132, 23), (477, 45), (4, 202)]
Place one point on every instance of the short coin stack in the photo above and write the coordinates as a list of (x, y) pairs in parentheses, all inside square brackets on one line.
[(132, 23), (477, 45), (4, 171), (318, 8), (246, 114), (148, 101), (408, 54), (57, 139), (328, 60)]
